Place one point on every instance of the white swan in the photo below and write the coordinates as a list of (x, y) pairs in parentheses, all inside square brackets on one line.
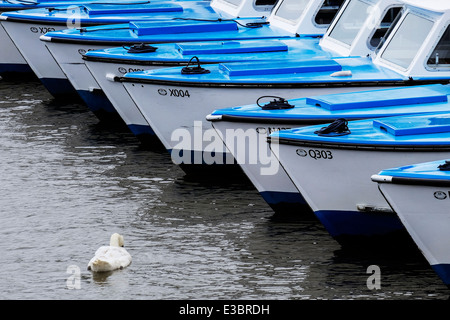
[(112, 257)]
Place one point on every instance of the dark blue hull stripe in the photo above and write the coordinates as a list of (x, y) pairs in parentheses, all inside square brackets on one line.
[(97, 101), (443, 271), (12, 68), (59, 88), (276, 197), (354, 223), (138, 130)]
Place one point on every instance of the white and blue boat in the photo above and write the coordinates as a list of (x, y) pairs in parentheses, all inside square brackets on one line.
[(15, 64), (290, 19), (24, 28), (15, 5), (420, 194), (332, 166), (244, 130), (414, 53), (109, 64)]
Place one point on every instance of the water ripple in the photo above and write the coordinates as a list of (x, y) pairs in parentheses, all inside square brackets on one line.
[(69, 182)]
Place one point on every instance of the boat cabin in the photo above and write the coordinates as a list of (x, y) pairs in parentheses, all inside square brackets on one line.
[(361, 26), (304, 17), (419, 44)]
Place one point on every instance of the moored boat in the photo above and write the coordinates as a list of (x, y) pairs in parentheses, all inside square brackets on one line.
[(290, 20), (244, 130), (108, 64), (159, 94), (24, 28), (15, 5), (420, 194), (331, 166), (12, 63)]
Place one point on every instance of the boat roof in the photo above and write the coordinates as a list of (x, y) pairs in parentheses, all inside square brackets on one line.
[(431, 5), (173, 30), (235, 8), (432, 170), (238, 50), (425, 42), (306, 72), (419, 132), (108, 13), (350, 105), (212, 52), (10, 5), (285, 21)]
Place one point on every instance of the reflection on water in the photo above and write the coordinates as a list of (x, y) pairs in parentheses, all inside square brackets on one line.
[(69, 182)]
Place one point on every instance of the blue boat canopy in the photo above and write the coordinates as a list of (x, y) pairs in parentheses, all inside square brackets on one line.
[(231, 47), (142, 28), (416, 132), (357, 105), (378, 98), (132, 7), (279, 67), (413, 125), (432, 170)]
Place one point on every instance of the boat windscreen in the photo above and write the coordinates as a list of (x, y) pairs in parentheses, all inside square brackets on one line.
[(407, 40), (350, 22), (291, 10), (440, 57), (388, 22), (328, 11)]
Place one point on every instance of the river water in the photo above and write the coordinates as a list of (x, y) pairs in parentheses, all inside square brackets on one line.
[(68, 182)]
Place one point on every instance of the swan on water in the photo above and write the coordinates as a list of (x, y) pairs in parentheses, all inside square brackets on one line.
[(112, 257)]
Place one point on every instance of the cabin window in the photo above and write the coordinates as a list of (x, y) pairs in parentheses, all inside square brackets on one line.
[(291, 9), (407, 40), (440, 57), (327, 12), (350, 22), (387, 23)]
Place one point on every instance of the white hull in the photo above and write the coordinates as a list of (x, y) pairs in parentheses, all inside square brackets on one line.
[(252, 153), (69, 57), (425, 216), (26, 38), (177, 114), (104, 74), (9, 55), (336, 184)]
